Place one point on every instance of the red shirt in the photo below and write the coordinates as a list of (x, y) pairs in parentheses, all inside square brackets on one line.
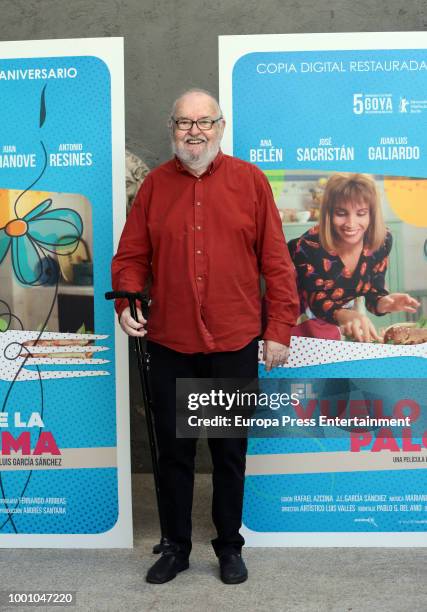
[(204, 242)]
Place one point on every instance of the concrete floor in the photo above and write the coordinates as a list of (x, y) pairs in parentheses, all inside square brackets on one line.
[(294, 579)]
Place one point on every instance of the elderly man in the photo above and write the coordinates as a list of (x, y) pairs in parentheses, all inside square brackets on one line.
[(203, 227)]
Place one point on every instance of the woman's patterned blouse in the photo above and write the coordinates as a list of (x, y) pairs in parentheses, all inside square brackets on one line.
[(326, 285)]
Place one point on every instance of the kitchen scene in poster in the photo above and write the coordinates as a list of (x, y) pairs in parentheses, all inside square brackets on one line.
[(38, 265), (402, 269)]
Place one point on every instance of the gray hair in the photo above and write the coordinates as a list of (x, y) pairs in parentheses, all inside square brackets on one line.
[(190, 91)]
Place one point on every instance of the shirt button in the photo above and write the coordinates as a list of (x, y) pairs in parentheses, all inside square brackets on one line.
[(199, 227), (199, 180), (199, 278), (198, 203), (199, 252)]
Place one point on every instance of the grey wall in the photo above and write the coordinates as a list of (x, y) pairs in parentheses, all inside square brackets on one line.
[(171, 45)]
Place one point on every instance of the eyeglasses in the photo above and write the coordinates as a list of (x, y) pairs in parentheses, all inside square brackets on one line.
[(187, 124)]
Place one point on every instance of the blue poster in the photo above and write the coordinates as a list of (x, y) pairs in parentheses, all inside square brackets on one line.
[(337, 123), (59, 443)]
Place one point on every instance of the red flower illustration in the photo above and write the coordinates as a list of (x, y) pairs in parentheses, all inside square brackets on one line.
[(326, 264), (337, 293)]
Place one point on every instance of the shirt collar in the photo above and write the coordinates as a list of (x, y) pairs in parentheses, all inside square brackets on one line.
[(210, 170)]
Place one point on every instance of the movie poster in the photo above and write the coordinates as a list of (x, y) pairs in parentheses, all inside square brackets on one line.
[(311, 110), (64, 462)]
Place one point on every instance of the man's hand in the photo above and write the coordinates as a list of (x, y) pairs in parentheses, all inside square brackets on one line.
[(355, 325), (275, 354), (397, 302), (130, 326)]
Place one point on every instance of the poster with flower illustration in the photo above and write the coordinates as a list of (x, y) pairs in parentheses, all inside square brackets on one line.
[(337, 122), (64, 454)]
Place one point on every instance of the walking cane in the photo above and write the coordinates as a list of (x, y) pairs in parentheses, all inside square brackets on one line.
[(143, 360)]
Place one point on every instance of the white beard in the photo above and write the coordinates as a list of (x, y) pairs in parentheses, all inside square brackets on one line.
[(196, 161)]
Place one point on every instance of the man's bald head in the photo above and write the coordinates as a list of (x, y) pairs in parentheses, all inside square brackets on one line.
[(196, 93)]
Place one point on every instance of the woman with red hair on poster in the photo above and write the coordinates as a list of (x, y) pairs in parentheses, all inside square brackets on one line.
[(343, 258)]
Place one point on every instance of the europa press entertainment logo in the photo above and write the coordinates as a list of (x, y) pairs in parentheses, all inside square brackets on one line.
[(372, 104)]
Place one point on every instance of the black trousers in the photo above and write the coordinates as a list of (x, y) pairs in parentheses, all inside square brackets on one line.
[(177, 455)]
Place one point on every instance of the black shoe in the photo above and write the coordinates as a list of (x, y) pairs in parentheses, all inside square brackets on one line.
[(167, 567), (232, 568)]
